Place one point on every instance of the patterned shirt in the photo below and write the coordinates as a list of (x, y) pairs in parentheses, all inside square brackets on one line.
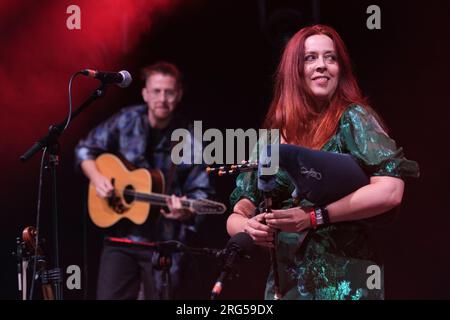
[(129, 135)]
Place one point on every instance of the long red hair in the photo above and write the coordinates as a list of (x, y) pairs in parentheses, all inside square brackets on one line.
[(293, 109)]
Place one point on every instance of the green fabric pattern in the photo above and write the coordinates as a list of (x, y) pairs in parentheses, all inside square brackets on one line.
[(331, 263)]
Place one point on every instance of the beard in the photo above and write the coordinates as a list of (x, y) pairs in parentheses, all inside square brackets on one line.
[(161, 112)]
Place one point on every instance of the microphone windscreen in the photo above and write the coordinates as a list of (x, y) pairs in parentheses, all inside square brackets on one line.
[(242, 241), (127, 79)]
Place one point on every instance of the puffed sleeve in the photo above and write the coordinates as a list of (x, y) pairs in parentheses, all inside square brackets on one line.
[(246, 187), (247, 184), (362, 136)]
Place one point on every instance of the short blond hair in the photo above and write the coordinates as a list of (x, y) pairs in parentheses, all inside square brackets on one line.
[(162, 67)]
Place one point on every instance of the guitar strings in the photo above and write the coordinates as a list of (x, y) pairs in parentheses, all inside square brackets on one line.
[(160, 199)]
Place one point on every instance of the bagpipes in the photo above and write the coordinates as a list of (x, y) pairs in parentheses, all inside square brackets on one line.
[(320, 177)]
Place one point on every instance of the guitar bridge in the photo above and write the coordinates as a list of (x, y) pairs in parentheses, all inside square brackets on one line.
[(114, 201), (116, 204)]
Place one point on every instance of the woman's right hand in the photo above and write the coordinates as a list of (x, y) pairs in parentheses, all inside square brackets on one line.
[(102, 185), (262, 234)]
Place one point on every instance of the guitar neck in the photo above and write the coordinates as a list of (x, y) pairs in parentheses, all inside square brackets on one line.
[(158, 199)]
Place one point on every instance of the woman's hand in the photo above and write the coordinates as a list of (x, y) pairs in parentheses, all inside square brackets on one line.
[(288, 220), (261, 234)]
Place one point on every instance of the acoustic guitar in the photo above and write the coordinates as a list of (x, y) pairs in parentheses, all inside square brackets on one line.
[(135, 191)]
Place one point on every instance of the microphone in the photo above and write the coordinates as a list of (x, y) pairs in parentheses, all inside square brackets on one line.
[(122, 78), (238, 245)]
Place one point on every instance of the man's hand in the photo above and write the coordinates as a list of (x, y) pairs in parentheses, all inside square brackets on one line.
[(102, 185), (175, 209)]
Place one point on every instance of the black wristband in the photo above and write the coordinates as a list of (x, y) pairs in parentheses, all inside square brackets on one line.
[(325, 215)]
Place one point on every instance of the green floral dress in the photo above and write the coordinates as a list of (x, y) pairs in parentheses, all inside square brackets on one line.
[(333, 262)]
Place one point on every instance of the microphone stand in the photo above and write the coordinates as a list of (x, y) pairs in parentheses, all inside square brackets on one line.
[(51, 138), (266, 207), (162, 256), (50, 141), (227, 272)]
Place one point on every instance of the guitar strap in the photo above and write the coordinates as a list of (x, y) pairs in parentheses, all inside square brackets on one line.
[(155, 143), (171, 173), (172, 168)]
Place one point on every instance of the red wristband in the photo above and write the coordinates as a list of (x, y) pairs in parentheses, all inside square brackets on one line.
[(312, 219)]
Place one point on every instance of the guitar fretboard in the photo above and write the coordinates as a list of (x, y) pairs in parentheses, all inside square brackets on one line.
[(154, 198)]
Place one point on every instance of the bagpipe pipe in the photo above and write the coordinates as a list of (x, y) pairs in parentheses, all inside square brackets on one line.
[(319, 177)]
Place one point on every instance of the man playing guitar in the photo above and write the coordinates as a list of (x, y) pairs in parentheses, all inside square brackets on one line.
[(141, 135)]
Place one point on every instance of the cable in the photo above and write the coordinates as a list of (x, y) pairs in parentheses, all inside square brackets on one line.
[(38, 215), (69, 117)]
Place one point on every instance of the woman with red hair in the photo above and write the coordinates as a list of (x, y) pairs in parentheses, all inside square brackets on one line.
[(322, 252)]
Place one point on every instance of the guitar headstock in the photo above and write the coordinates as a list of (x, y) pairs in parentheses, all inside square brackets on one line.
[(205, 206)]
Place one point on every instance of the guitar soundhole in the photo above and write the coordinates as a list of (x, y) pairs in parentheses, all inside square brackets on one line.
[(128, 195)]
